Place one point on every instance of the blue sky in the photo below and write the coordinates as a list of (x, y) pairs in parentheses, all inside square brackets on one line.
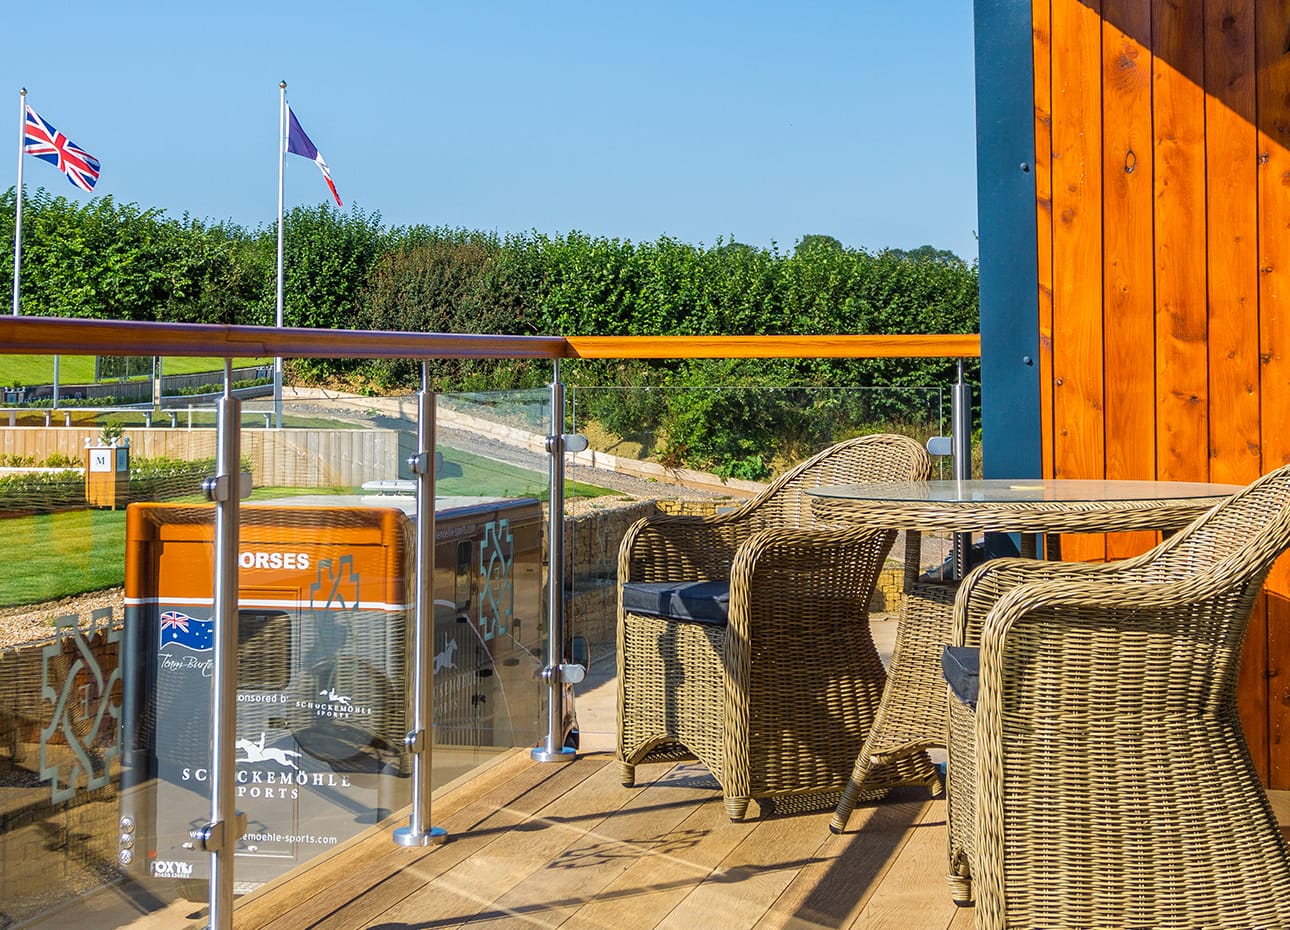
[(752, 121)]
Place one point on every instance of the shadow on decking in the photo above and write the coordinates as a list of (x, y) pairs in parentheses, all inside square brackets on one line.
[(569, 846)]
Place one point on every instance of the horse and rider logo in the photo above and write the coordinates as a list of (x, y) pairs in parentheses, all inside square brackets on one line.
[(258, 752), (335, 697), (445, 659)]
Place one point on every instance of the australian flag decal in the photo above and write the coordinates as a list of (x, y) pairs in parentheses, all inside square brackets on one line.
[(187, 631)]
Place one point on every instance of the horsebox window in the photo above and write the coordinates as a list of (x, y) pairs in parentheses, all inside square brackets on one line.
[(263, 650), (465, 575)]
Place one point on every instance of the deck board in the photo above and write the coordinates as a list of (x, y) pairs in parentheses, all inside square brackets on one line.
[(748, 881), (564, 890), (376, 874), (508, 879), (903, 899), (833, 891), (568, 846), (364, 853)]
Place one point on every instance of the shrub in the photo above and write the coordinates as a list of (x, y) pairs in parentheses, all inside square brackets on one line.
[(41, 492), (162, 478), (59, 460)]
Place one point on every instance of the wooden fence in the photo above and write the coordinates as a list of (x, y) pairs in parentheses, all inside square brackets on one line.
[(287, 457)]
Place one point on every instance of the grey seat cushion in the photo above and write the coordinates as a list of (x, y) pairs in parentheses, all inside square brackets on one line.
[(697, 601), (961, 666)]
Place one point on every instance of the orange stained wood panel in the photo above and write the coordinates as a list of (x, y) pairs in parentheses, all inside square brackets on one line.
[(1231, 147), (1232, 228), (1272, 43), (1129, 283), (1182, 357), (1041, 22), (1252, 688), (1272, 61), (1278, 687), (1078, 381), (1077, 242)]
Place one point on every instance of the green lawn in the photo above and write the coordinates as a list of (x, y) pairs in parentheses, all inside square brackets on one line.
[(79, 369), (53, 555), (49, 556), (466, 475)]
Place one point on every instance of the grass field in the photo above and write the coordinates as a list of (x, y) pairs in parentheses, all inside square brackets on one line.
[(50, 556), (53, 555), (79, 369)]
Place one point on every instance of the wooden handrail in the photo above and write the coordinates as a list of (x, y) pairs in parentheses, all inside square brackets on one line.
[(883, 346), (21, 335), (25, 335)]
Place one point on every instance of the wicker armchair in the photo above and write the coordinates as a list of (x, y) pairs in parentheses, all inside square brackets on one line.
[(1103, 779), (743, 639)]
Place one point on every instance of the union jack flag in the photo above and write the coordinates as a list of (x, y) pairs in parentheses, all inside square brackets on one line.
[(41, 139), (173, 618)]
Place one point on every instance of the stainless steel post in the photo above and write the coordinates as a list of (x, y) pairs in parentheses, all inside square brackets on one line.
[(553, 748), (220, 836), (961, 436), (418, 832)]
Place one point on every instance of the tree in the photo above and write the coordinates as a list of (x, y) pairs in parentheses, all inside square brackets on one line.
[(817, 242), (927, 253)]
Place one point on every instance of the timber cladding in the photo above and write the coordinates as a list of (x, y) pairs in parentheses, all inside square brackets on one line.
[(1162, 133)]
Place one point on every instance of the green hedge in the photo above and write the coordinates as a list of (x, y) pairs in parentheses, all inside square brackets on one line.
[(151, 479), (346, 269)]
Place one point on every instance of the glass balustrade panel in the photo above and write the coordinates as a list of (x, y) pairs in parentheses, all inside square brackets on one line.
[(107, 626)]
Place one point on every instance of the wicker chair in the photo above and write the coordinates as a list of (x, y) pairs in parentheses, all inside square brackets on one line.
[(1103, 779), (775, 688)]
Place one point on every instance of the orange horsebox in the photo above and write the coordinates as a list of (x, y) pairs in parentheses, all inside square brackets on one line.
[(325, 616)]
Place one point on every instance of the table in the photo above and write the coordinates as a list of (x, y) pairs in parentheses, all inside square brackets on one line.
[(911, 717)]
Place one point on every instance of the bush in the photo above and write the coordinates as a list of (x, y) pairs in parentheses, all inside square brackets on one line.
[(41, 492), (217, 387), (161, 478), (151, 479)]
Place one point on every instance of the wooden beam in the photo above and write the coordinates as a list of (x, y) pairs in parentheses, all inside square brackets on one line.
[(893, 346), (25, 335), (46, 335)]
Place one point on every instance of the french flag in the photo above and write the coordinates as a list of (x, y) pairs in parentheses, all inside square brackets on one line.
[(299, 144)]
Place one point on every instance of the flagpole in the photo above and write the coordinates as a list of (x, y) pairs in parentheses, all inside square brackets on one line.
[(282, 145), (17, 215)]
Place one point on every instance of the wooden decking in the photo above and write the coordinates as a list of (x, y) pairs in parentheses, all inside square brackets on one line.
[(565, 845)]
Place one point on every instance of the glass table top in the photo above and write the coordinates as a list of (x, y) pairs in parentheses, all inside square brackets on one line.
[(1024, 490)]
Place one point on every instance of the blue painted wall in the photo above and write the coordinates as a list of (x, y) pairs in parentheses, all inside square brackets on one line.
[(1009, 268)]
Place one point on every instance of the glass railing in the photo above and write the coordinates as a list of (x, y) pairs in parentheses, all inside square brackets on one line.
[(107, 623), (703, 451), (107, 611), (747, 433)]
